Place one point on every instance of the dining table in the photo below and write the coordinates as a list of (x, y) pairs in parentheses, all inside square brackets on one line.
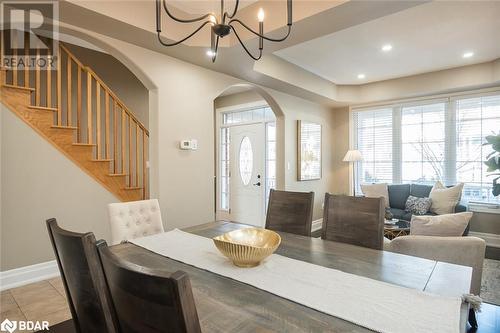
[(227, 305)]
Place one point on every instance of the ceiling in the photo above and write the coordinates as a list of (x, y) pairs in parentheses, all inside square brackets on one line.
[(207, 6), (425, 38), (332, 41)]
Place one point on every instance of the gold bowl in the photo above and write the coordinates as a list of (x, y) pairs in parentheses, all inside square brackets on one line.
[(249, 246)]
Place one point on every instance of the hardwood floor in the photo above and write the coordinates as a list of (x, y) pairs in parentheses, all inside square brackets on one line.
[(45, 300)]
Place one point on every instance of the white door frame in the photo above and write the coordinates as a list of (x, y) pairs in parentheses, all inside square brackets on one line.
[(225, 214)]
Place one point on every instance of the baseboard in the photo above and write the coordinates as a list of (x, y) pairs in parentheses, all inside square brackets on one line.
[(492, 240), (29, 274), (317, 225)]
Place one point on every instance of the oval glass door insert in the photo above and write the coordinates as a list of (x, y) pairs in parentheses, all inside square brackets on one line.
[(246, 160)]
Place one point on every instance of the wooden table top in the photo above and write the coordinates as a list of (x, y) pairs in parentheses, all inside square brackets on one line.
[(226, 305)]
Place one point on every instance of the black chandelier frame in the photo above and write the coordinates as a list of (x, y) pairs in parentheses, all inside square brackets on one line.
[(219, 27)]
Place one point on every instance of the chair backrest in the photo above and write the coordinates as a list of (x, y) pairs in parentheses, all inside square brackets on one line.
[(290, 212), (465, 251), (134, 219), (148, 300), (354, 220), (83, 279)]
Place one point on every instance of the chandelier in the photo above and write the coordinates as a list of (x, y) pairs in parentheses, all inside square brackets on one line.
[(222, 26)]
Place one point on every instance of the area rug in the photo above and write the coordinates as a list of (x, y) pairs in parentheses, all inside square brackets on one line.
[(490, 284)]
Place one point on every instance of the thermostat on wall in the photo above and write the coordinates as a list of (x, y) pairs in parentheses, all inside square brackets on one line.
[(188, 144)]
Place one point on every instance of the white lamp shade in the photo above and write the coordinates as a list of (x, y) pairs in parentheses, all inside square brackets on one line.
[(353, 156)]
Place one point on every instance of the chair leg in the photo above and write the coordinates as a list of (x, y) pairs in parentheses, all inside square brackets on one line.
[(472, 318)]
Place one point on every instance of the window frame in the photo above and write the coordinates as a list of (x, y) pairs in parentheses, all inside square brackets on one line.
[(450, 137)]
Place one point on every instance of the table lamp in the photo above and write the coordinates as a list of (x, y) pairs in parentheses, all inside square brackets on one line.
[(353, 156)]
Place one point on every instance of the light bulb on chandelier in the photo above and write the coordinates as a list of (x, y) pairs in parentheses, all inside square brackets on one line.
[(222, 26)]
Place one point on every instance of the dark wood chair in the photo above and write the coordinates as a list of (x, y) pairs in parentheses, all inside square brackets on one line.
[(149, 300), (290, 212), (83, 279), (354, 220)]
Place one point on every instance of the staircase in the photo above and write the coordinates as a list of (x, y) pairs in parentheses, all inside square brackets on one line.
[(79, 114)]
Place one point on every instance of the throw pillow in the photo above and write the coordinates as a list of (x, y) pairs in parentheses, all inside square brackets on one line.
[(444, 199), (419, 206), (440, 225), (376, 191)]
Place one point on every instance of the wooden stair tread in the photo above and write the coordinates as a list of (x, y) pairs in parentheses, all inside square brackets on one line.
[(39, 116), (42, 108), (84, 144), (64, 127), (17, 87)]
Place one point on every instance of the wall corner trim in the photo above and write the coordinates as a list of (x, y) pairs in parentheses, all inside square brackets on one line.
[(28, 274)]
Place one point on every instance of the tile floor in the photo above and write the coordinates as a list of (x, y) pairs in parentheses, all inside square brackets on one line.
[(43, 300)]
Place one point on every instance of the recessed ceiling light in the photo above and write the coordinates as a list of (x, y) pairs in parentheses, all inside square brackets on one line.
[(361, 76), (387, 47), (468, 54), (210, 53)]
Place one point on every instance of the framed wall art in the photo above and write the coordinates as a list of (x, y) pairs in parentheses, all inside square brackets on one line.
[(308, 150)]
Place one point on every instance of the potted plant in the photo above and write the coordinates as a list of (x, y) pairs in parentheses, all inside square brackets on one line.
[(493, 161)]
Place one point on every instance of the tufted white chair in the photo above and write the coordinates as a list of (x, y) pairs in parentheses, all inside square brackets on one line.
[(134, 219)]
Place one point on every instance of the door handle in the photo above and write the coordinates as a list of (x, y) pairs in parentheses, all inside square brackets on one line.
[(256, 184)]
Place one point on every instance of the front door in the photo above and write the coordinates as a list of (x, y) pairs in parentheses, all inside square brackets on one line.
[(247, 156)]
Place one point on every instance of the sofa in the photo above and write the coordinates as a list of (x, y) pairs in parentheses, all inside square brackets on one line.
[(399, 193)]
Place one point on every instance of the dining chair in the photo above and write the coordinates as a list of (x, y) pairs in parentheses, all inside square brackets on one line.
[(290, 212), (83, 279), (354, 220), (134, 219), (148, 300)]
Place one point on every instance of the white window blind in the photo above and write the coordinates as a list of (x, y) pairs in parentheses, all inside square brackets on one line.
[(476, 118), (422, 142), (374, 141)]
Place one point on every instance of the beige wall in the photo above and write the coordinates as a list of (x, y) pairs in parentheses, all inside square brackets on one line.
[(342, 171), (237, 99), (38, 182), (119, 78), (186, 94), (298, 109), (485, 223), (180, 106)]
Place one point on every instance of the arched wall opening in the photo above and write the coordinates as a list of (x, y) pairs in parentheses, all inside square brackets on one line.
[(175, 184), (249, 97)]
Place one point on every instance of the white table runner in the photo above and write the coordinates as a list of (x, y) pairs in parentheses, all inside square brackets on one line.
[(373, 304)]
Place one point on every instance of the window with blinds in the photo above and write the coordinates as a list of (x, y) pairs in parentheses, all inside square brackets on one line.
[(475, 119), (423, 142), (374, 141)]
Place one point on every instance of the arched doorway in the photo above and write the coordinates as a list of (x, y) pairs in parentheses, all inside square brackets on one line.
[(248, 154)]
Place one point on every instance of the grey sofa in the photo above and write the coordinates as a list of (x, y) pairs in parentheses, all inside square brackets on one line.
[(399, 193)]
